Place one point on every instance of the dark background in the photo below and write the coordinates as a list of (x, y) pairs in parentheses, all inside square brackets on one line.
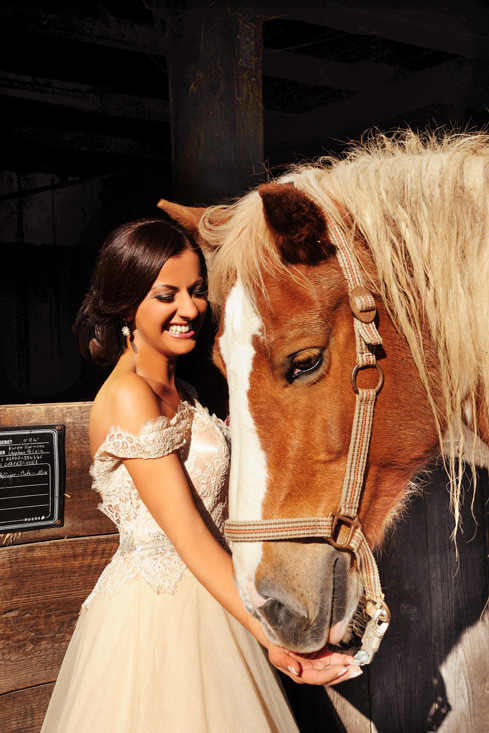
[(88, 138)]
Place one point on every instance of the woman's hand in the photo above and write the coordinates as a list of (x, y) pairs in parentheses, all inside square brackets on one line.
[(327, 669)]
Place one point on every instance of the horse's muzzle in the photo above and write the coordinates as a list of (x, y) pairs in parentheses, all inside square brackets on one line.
[(306, 590)]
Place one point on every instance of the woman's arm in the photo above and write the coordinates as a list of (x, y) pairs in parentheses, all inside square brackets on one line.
[(163, 487)]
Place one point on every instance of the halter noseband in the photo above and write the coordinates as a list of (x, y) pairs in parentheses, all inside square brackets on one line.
[(342, 528)]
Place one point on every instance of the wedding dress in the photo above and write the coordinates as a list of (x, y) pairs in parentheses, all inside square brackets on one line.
[(152, 650)]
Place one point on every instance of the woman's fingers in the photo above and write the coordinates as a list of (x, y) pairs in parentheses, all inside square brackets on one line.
[(329, 669), (327, 659)]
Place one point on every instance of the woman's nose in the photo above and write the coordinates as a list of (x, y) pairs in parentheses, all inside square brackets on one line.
[(187, 307)]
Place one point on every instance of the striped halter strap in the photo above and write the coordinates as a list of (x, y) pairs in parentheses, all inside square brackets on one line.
[(342, 528)]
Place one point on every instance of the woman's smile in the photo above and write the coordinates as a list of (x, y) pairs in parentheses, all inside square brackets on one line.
[(181, 330)]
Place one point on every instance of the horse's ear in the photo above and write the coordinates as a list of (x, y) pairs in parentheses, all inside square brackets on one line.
[(298, 223), (187, 216)]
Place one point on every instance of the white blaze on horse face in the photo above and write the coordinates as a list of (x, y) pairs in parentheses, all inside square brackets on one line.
[(248, 477)]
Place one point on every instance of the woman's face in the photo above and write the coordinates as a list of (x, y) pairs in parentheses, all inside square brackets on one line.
[(169, 318)]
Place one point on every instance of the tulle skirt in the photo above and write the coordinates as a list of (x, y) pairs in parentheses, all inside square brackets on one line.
[(139, 662)]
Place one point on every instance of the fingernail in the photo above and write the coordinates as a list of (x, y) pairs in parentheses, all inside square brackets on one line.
[(342, 671), (292, 670), (355, 673)]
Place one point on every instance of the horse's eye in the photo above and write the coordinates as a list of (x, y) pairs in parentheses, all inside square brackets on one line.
[(305, 362)]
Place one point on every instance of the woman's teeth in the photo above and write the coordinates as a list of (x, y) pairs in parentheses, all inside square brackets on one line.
[(179, 329)]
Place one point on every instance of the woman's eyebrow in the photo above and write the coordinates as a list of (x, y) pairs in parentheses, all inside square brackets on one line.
[(163, 285), (199, 281)]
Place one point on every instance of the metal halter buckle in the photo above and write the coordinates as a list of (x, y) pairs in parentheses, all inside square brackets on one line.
[(352, 524), (373, 635)]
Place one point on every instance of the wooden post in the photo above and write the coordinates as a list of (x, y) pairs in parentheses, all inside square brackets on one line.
[(214, 65)]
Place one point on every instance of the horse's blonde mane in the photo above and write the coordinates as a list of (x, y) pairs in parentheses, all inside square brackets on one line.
[(421, 204)]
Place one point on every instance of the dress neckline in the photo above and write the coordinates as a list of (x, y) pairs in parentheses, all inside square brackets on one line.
[(184, 408)]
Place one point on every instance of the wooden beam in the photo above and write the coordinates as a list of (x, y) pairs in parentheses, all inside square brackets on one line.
[(324, 72), (99, 143), (444, 84), (83, 97), (453, 27), (103, 29), (215, 81)]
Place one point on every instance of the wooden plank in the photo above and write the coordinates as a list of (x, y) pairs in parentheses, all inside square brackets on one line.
[(392, 676), (382, 698), (465, 674), (23, 711), (313, 710), (352, 719), (43, 587), (432, 668), (459, 588), (81, 517)]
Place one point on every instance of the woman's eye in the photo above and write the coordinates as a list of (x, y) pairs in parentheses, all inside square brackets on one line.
[(305, 362), (165, 298), (201, 293)]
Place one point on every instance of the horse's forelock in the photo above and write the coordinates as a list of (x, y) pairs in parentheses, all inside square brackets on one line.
[(241, 242)]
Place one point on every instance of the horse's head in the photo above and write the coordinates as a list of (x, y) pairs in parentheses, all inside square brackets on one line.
[(286, 345)]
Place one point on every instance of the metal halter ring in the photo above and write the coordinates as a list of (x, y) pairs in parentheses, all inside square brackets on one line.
[(355, 371)]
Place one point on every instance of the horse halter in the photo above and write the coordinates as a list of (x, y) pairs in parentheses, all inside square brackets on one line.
[(342, 528)]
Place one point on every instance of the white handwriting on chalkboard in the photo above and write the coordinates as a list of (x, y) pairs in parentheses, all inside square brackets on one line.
[(22, 474)]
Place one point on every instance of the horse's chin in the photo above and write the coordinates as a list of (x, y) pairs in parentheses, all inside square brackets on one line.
[(308, 643)]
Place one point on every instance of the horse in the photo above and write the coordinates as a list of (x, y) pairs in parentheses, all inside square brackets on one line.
[(352, 331)]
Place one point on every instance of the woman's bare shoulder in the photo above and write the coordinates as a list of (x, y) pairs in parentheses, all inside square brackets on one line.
[(125, 400)]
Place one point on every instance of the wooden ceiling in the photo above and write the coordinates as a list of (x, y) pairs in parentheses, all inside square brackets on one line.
[(85, 90)]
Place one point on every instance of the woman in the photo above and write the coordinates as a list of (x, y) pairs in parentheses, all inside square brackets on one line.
[(154, 649)]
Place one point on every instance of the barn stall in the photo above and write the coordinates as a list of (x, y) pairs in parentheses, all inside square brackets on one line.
[(196, 106)]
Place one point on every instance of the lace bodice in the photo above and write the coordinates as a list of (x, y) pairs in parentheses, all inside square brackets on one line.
[(202, 442)]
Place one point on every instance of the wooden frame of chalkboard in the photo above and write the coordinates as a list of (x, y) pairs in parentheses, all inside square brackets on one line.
[(32, 477)]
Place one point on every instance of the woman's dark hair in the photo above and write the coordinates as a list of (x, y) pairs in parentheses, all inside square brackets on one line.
[(127, 266)]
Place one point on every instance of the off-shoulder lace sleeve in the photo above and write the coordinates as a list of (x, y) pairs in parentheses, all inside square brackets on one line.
[(157, 438)]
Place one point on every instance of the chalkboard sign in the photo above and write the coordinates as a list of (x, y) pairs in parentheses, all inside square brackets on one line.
[(32, 477)]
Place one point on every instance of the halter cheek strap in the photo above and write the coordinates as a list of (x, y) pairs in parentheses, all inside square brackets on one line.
[(342, 528)]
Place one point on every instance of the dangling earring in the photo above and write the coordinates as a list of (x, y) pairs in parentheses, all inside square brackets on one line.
[(126, 331)]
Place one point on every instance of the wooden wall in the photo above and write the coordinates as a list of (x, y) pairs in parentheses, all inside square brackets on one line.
[(46, 575), (432, 670)]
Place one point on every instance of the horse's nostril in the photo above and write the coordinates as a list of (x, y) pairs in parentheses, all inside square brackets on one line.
[(280, 616)]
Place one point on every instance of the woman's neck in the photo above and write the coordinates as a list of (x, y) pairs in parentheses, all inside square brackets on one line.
[(158, 371)]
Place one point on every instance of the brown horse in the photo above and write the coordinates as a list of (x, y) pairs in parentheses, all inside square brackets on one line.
[(408, 215)]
